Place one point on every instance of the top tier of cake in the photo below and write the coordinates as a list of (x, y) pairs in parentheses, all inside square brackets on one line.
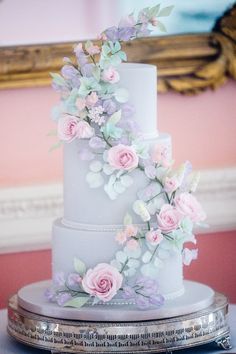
[(141, 82)]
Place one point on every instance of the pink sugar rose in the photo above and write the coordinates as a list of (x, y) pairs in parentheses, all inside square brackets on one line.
[(91, 99), (171, 184), (131, 230), (132, 245), (80, 103), (84, 131), (154, 237), (110, 75), (67, 128), (187, 205), (103, 281), (168, 218), (122, 157), (121, 237), (160, 155)]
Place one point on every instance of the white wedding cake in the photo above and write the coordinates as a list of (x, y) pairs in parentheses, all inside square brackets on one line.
[(127, 213)]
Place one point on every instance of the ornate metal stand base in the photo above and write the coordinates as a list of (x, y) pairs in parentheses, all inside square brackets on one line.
[(63, 336)]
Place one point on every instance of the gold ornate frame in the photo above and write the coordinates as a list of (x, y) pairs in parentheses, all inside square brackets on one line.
[(186, 63)]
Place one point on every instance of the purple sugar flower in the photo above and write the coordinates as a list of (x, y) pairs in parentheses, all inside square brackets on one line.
[(128, 292), (62, 298), (126, 33), (112, 34), (127, 110), (142, 302), (157, 300), (87, 70), (59, 279), (96, 143), (74, 279), (109, 106), (68, 71), (50, 294)]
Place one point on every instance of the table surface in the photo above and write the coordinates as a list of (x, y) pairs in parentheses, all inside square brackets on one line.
[(10, 346)]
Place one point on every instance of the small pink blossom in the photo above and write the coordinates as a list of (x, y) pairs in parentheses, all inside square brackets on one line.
[(110, 75), (189, 255), (91, 99), (160, 155), (67, 128), (80, 103), (187, 205), (168, 218), (131, 230), (121, 237), (154, 21), (132, 245), (102, 37), (154, 237), (84, 131), (93, 49), (171, 184), (122, 157), (103, 281)]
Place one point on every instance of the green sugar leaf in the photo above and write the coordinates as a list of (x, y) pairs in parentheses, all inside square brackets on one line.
[(166, 11), (79, 266), (77, 302)]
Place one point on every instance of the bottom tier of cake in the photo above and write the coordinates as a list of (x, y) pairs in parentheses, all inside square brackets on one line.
[(93, 245)]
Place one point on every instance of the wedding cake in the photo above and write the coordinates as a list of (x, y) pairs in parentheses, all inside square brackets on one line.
[(127, 212)]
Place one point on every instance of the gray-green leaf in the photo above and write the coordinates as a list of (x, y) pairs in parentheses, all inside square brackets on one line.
[(166, 11), (77, 302), (79, 266), (161, 26)]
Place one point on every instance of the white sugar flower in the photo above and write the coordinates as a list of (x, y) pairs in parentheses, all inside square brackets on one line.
[(94, 179), (140, 208)]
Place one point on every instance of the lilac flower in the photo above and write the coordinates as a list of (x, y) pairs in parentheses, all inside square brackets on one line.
[(128, 292), (143, 30), (127, 110), (148, 286), (87, 70), (50, 294), (59, 279), (109, 106), (127, 21), (74, 279), (112, 34), (86, 155), (68, 71), (150, 171), (157, 300), (126, 33), (62, 298), (97, 143), (75, 81), (142, 302)]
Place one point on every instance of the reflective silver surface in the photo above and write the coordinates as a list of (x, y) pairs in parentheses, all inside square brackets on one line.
[(157, 336)]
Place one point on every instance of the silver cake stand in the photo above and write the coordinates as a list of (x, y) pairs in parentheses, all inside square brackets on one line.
[(153, 336)]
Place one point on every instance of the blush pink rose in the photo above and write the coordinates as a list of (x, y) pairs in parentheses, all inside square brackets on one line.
[(91, 99), (171, 184), (160, 155), (168, 218), (110, 75), (84, 131), (103, 281), (154, 237), (187, 205), (123, 157), (67, 128)]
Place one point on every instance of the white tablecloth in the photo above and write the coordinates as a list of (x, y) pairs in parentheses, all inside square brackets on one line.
[(10, 346)]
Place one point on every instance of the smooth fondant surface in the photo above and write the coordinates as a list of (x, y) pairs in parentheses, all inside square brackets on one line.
[(196, 297)]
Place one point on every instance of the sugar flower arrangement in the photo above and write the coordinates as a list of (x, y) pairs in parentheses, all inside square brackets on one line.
[(95, 108)]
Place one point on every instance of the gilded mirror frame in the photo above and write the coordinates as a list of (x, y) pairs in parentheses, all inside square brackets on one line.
[(188, 63)]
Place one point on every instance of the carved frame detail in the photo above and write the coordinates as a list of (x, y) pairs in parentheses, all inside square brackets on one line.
[(186, 63)]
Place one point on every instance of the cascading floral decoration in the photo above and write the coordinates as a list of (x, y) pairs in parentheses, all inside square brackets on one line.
[(94, 107)]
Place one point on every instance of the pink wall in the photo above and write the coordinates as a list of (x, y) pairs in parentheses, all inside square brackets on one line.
[(203, 129), (216, 269)]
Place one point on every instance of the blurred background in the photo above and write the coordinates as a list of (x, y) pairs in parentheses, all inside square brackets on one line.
[(203, 129)]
